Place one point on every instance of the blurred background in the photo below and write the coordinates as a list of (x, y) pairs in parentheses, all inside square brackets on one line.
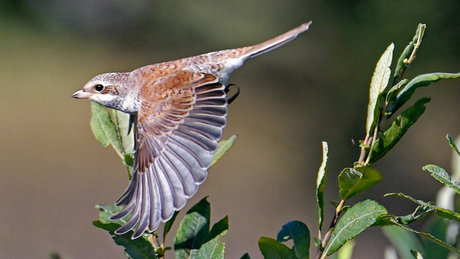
[(53, 172)]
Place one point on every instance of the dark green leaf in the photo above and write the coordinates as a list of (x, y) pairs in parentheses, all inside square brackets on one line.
[(320, 183), (193, 230), (445, 213), (441, 175), (138, 248), (129, 161), (299, 233), (169, 224), (393, 92), (379, 82), (357, 219), (224, 146), (419, 81), (355, 180), (245, 256), (272, 249), (218, 228), (397, 129), (403, 240), (213, 249), (452, 144), (134, 248)]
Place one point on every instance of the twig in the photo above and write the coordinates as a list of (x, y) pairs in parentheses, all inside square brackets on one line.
[(328, 235)]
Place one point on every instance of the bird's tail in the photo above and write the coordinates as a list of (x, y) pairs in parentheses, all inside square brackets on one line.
[(269, 45)]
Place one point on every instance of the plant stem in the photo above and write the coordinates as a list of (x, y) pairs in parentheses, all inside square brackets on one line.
[(372, 140), (409, 61), (328, 235), (362, 156)]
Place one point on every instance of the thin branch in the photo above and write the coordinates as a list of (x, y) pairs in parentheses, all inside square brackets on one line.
[(409, 61), (328, 235)]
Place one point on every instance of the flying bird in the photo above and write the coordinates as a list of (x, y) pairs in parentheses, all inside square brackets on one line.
[(178, 109)]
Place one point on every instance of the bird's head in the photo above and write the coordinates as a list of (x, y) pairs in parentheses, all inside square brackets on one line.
[(109, 90)]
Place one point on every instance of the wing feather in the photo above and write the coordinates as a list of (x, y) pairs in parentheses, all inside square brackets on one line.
[(176, 132)]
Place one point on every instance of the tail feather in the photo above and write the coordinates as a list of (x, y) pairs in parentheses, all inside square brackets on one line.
[(269, 45)]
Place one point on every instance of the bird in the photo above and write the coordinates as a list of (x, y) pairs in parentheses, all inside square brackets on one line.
[(177, 110)]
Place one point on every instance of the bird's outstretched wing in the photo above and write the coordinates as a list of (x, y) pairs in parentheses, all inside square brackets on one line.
[(177, 129)]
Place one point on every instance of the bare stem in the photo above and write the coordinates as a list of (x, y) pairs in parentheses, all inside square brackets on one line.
[(362, 156), (374, 137)]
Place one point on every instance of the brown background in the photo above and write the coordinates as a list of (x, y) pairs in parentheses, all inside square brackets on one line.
[(53, 172)]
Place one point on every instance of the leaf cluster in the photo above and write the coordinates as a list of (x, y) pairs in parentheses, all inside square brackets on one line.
[(384, 128), (194, 238)]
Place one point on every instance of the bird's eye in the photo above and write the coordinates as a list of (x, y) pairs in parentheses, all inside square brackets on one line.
[(99, 87)]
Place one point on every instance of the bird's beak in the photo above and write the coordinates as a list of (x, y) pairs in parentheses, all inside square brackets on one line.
[(81, 94)]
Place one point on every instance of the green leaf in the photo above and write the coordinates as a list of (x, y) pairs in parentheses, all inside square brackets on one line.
[(419, 213), (410, 50), (379, 82), (356, 180), (224, 146), (245, 256), (439, 228), (357, 219), (169, 224), (441, 175), (106, 211), (452, 144), (403, 240), (193, 230), (317, 242), (213, 249), (218, 228), (445, 213), (392, 93), (397, 130), (134, 248), (320, 183), (299, 233), (104, 129), (113, 132), (122, 121), (429, 237), (419, 81), (272, 249)]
